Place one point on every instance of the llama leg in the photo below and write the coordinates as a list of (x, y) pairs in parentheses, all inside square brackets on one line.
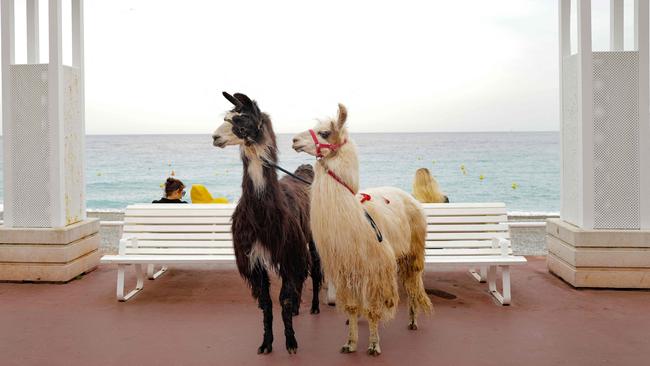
[(260, 283), (353, 329), (316, 277), (287, 296), (297, 298), (373, 339), (411, 276)]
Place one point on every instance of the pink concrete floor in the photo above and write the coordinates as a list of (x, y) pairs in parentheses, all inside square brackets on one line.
[(205, 316)]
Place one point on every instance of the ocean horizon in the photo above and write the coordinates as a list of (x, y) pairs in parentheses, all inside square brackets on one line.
[(521, 169)]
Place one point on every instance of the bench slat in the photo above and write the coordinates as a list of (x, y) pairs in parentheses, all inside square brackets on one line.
[(175, 206), (464, 252), (178, 228), (173, 220), (467, 228), (476, 260), (434, 244), (465, 211), (467, 219), (163, 259), (466, 236), (464, 205), (178, 212), (180, 236), (179, 251), (183, 244)]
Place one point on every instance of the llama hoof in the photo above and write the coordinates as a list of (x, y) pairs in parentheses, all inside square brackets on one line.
[(265, 349), (374, 350), (292, 345), (315, 310), (348, 348), (413, 326), (295, 312)]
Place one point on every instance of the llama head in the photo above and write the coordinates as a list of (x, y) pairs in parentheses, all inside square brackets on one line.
[(243, 125), (330, 133)]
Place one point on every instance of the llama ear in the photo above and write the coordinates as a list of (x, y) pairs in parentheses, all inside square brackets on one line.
[(243, 98), (232, 100), (343, 116)]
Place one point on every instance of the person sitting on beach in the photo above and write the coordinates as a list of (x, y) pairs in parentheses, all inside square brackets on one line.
[(200, 194), (426, 189), (174, 191)]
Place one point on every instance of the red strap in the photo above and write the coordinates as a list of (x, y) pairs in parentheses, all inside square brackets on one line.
[(319, 145), (336, 178), (364, 196)]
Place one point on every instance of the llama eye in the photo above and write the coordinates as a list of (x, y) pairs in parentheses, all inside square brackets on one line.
[(324, 134)]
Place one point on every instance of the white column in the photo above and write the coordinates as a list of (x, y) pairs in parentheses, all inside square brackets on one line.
[(564, 33), (8, 58), (616, 25), (55, 114), (32, 32), (78, 62), (641, 28), (585, 116)]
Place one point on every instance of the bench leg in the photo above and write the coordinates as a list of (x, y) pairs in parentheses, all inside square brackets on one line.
[(504, 297), (331, 294), (153, 275), (120, 281), (481, 275)]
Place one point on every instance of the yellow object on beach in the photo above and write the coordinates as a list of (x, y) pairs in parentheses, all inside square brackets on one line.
[(200, 194)]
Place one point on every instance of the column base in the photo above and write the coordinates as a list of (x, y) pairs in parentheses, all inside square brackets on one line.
[(598, 258), (49, 255)]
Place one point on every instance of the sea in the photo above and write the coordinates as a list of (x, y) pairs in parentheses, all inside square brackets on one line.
[(521, 169)]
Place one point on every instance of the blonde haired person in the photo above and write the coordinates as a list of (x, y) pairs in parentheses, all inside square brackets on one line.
[(426, 189), (200, 194)]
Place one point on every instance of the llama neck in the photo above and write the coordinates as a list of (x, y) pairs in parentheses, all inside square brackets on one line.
[(258, 177), (346, 166)]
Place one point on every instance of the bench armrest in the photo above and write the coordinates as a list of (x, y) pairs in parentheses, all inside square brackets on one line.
[(121, 250), (501, 243)]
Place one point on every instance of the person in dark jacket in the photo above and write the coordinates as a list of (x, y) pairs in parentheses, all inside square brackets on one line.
[(174, 191)]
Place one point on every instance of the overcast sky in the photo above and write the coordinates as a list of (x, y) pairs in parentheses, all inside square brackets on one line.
[(157, 66)]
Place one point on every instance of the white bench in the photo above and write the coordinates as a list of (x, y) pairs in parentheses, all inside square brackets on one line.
[(474, 235), (162, 234)]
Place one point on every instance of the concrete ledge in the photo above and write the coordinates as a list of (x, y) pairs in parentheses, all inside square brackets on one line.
[(599, 257), (48, 253), (578, 237), (631, 278), (49, 272), (43, 236)]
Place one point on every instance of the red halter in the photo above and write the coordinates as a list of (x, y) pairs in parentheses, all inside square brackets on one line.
[(364, 196), (320, 145)]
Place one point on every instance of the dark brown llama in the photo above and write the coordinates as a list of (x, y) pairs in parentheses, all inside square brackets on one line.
[(270, 225)]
